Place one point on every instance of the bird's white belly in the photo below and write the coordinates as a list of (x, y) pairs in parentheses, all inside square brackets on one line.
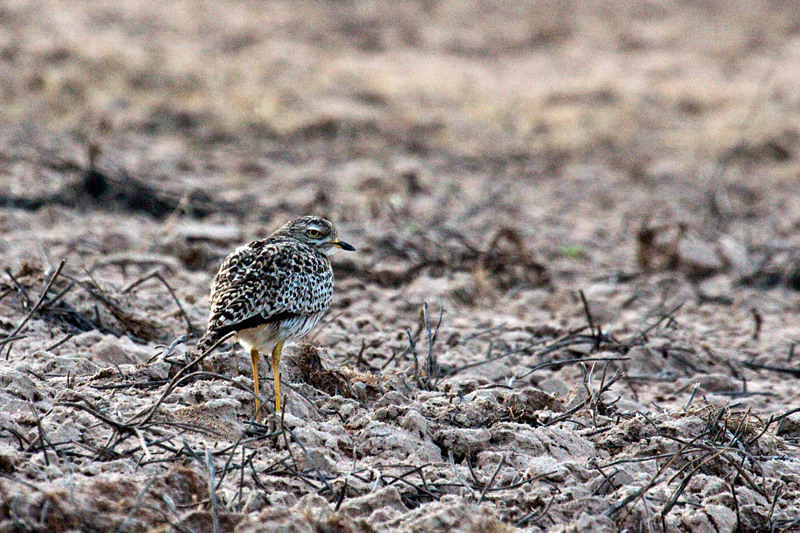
[(263, 338)]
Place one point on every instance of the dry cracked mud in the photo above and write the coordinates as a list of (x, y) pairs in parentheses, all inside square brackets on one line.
[(574, 305)]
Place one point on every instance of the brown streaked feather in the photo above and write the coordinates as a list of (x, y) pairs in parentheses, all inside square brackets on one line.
[(276, 288), (267, 281)]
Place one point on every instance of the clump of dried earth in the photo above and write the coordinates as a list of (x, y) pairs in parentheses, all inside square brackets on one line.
[(575, 301)]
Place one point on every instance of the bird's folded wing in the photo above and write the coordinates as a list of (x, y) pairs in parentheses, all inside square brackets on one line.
[(245, 292)]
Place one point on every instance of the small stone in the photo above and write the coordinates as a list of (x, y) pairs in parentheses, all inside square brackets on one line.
[(364, 506), (699, 257), (735, 255), (556, 387), (109, 351), (10, 458), (790, 426)]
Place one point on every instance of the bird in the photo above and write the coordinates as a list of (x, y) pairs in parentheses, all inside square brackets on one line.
[(273, 290)]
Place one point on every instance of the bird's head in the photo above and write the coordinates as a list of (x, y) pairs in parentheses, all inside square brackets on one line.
[(316, 232)]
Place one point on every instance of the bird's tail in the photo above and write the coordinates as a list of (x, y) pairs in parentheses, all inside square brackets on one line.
[(206, 342)]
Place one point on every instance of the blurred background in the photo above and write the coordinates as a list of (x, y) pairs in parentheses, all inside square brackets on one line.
[(575, 123), (584, 137), (574, 139), (212, 94)]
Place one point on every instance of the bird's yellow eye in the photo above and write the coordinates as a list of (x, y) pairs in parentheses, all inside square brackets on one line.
[(313, 233)]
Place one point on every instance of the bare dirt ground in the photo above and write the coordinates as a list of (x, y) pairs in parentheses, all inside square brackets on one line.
[(574, 305)]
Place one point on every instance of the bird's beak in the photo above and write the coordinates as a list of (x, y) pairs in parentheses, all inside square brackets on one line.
[(343, 245)]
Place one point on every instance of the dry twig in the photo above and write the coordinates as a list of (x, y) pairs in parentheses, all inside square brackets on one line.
[(35, 308)]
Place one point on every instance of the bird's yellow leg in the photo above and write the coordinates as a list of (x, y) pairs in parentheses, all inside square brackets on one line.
[(254, 359), (276, 372)]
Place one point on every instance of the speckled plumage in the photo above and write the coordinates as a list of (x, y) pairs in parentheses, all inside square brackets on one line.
[(274, 289), (265, 284)]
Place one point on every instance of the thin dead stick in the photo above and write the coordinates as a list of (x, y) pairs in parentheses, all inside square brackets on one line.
[(193, 375), (636, 460), (54, 300), (753, 485), (750, 481), (536, 515), (608, 480), (491, 480), (763, 431), (34, 308), (11, 339), (310, 459), (414, 469), (413, 346), (228, 462), (22, 482), (146, 451), (635, 495), (458, 476), (241, 481), (401, 478), (735, 437), (64, 339), (669, 314), (342, 494), (136, 503), (682, 486), (784, 370), (595, 333), (431, 362), (42, 437), (119, 426), (525, 481), (472, 473), (212, 492), (157, 275), (150, 411), (18, 285), (774, 502), (691, 396), (420, 489), (735, 501), (569, 362)]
